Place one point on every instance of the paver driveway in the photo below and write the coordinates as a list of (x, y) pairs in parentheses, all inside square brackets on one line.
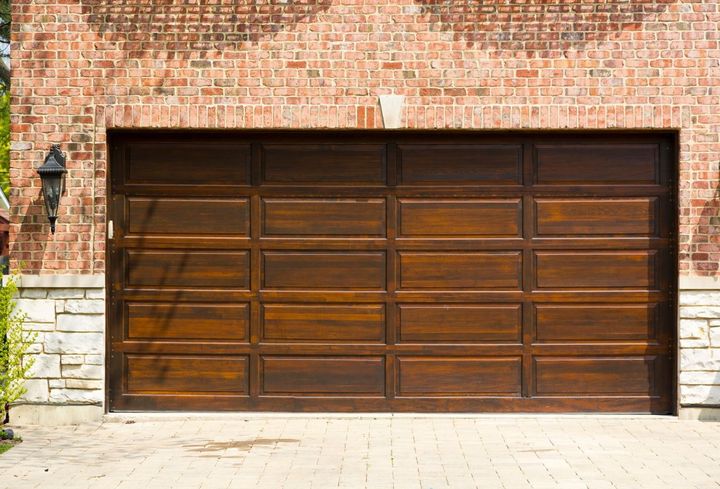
[(296, 452)]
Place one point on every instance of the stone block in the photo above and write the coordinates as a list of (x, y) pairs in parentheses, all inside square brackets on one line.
[(694, 328), (37, 390), (33, 293), (84, 384), (707, 312), (80, 322), (56, 383), (85, 306), (715, 337), (82, 396), (82, 371), (83, 343), (37, 310), (94, 360), (38, 326), (699, 298), (66, 293), (44, 366), (700, 394), (95, 294), (700, 378), (72, 359), (703, 359), (59, 307), (695, 343)]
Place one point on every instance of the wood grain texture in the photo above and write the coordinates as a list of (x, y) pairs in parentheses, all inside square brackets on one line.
[(323, 322), (158, 321), (323, 217), (596, 376), (596, 322), (188, 268), (316, 270), (350, 164), (435, 217), (459, 323), (458, 376), (460, 270), (189, 374), (591, 164), (323, 375), (593, 216), (188, 217), (596, 269), (439, 164)]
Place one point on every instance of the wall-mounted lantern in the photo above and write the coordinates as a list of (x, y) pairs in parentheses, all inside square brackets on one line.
[(52, 173)]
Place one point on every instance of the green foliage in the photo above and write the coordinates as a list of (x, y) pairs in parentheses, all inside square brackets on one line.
[(13, 369), (5, 447)]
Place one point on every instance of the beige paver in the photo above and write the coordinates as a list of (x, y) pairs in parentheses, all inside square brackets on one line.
[(315, 452)]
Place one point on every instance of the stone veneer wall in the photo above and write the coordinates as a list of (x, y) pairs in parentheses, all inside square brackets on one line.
[(699, 378), (69, 351)]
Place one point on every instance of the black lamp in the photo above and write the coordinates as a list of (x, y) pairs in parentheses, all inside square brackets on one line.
[(52, 173)]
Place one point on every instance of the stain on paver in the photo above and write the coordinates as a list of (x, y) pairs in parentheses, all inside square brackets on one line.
[(216, 446)]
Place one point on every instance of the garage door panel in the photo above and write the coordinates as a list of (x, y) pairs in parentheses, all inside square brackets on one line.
[(188, 269), (593, 216), (188, 217), (323, 375), (577, 376), (323, 322), (592, 164), (456, 270), (459, 323), (347, 164), (176, 163), (596, 269), (459, 376), (187, 374), (173, 321), (324, 217), (468, 164), (451, 218), (596, 322), (318, 270), (391, 271)]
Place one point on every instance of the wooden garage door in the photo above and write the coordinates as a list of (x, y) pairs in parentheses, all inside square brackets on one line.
[(381, 271)]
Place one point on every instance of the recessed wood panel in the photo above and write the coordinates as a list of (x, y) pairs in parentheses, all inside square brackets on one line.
[(323, 322), (188, 268), (323, 375), (188, 216), (456, 270), (596, 376), (620, 217), (596, 269), (316, 270), (459, 376), (156, 321), (187, 374), (324, 217), (425, 217), (349, 164), (459, 323), (187, 163), (593, 164), (438, 164), (593, 322)]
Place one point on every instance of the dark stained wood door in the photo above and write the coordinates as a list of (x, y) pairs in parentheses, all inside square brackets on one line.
[(392, 271)]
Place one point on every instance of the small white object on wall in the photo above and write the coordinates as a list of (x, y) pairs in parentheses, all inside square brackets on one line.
[(391, 107)]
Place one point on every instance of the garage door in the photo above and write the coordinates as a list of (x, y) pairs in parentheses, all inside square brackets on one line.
[(380, 271)]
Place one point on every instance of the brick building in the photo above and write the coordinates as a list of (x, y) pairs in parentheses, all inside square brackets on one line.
[(532, 226)]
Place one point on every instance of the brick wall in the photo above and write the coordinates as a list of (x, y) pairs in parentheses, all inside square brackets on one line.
[(84, 66)]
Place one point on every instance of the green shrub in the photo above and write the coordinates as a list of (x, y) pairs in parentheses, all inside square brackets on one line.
[(14, 343)]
